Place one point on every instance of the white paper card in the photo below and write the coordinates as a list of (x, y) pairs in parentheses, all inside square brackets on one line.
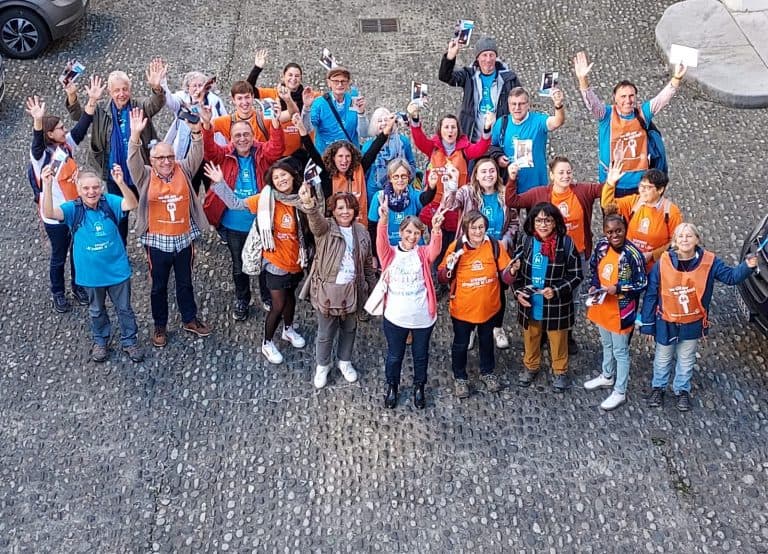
[(689, 57)]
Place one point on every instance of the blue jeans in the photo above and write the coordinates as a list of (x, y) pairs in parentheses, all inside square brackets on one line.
[(61, 244), (615, 358), (160, 265), (120, 295), (396, 337), (664, 361), (461, 332)]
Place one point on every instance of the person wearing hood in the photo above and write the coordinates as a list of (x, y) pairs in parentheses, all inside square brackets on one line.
[(486, 84)]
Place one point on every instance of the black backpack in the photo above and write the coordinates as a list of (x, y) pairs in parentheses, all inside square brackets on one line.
[(657, 152), (79, 217)]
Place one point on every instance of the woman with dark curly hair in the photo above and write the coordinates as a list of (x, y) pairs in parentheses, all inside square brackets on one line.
[(285, 237), (550, 271), (344, 167)]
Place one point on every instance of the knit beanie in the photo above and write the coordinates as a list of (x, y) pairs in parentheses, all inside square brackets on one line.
[(484, 44)]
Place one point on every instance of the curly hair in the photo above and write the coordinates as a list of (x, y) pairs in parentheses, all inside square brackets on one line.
[(549, 210), (330, 154)]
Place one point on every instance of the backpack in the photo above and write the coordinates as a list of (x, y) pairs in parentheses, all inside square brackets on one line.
[(657, 152), (79, 216), (34, 182), (504, 120)]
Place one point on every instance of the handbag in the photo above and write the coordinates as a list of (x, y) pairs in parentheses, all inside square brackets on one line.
[(335, 300), (375, 303), (252, 251)]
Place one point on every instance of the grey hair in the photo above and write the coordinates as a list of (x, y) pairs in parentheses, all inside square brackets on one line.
[(685, 226), (118, 76), (396, 164), (376, 117), (193, 76), (90, 174)]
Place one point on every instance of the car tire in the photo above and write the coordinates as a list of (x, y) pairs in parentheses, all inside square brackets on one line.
[(23, 34)]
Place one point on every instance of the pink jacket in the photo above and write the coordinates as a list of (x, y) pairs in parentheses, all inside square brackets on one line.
[(427, 255)]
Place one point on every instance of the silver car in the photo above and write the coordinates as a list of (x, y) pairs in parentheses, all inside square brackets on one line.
[(27, 27)]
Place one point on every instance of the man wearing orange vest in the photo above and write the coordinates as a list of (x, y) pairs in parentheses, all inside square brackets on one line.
[(168, 219), (651, 218), (675, 309), (621, 135)]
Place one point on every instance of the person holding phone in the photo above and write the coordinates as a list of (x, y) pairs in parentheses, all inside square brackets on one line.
[(550, 273), (675, 313), (617, 279), (398, 146), (53, 145), (475, 265)]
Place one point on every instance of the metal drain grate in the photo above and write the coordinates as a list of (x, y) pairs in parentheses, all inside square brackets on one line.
[(379, 25)]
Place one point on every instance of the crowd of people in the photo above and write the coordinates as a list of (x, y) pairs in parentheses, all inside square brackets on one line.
[(323, 204)]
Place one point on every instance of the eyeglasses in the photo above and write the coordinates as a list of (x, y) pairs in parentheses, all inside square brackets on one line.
[(646, 186), (399, 177), (518, 104), (168, 158), (339, 81), (544, 221)]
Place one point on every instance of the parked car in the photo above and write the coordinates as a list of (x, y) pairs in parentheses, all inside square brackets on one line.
[(753, 293), (27, 27)]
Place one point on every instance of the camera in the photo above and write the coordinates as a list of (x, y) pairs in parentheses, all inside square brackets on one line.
[(190, 114)]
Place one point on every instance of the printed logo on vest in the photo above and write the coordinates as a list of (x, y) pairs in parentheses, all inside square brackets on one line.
[(607, 271)]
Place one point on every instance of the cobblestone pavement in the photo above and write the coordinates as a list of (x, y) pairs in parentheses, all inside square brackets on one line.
[(204, 447)]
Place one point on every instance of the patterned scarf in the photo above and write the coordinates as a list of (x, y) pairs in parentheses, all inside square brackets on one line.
[(548, 245), (118, 143)]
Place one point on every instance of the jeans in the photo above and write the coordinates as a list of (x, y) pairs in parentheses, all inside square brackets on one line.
[(235, 242), (615, 358), (327, 327), (61, 244), (160, 265), (120, 295), (396, 339), (461, 332), (664, 359)]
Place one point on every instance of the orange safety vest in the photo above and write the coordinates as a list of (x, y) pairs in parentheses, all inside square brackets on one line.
[(438, 161), (681, 291), (648, 227), (169, 204), (629, 142), (606, 315), (573, 214), (357, 187), (66, 179)]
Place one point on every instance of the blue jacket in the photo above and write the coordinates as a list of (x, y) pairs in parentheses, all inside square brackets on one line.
[(667, 333), (386, 155), (326, 126), (632, 279)]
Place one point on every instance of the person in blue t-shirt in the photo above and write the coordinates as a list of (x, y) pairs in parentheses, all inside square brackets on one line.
[(101, 261), (520, 138)]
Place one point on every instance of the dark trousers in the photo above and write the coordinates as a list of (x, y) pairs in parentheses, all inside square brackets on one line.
[(498, 319), (122, 225), (61, 244), (396, 339), (160, 265), (236, 242), (461, 332)]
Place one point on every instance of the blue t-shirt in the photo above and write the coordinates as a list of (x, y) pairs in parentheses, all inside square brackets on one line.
[(630, 179), (525, 143), (396, 218), (539, 263), (245, 186), (327, 129), (495, 214), (98, 251), (486, 102)]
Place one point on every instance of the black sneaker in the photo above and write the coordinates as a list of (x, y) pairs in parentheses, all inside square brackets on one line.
[(135, 353), (60, 303), (80, 295), (240, 312), (683, 401), (562, 382), (99, 353), (656, 400)]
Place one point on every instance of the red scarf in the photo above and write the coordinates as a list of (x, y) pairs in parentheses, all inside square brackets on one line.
[(548, 245)]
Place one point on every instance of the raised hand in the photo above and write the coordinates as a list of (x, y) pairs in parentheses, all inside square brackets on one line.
[(305, 193), (138, 123), (413, 110), (432, 179), (307, 97), (614, 172), (680, 70), (438, 218), (557, 97), (581, 65), (35, 107), (95, 88), (389, 124), (156, 73), (453, 49), (299, 124), (213, 172), (117, 174), (384, 209), (206, 115), (489, 120), (260, 57)]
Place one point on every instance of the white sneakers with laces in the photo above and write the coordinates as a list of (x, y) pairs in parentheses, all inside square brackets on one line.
[(321, 375), (599, 382), (500, 337), (348, 371), (614, 401), (296, 340), (271, 353)]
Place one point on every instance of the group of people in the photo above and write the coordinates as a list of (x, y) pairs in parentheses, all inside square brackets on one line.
[(327, 205)]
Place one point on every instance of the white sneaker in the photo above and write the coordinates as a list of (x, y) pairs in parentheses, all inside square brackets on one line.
[(296, 340), (348, 371), (321, 375), (500, 337), (599, 382), (472, 336), (614, 401), (271, 352)]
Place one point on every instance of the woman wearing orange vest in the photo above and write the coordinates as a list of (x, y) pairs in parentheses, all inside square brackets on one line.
[(449, 152), (618, 277), (474, 265), (50, 140), (676, 305), (285, 238), (343, 167), (651, 218)]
